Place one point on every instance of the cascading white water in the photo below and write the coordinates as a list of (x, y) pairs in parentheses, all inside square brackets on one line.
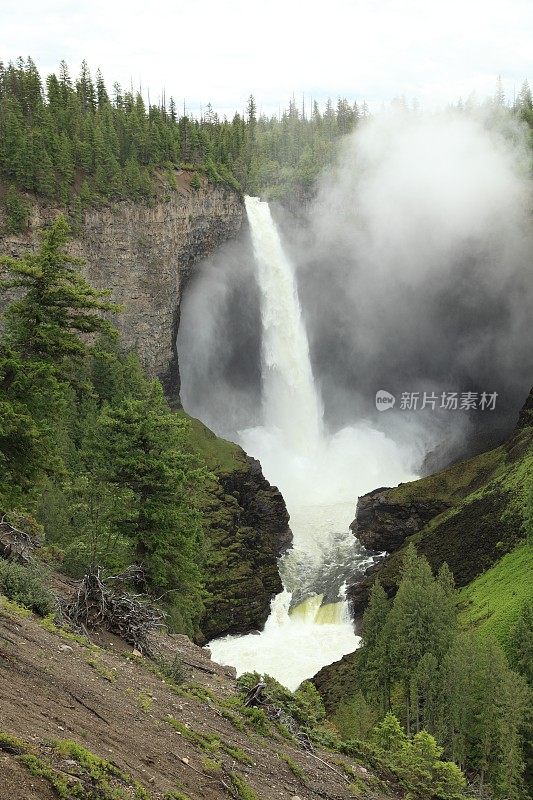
[(291, 405), (320, 476)]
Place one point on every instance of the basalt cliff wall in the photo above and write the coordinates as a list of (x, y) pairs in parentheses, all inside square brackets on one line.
[(144, 253)]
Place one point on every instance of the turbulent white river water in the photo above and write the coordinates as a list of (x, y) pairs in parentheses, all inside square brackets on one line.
[(320, 476)]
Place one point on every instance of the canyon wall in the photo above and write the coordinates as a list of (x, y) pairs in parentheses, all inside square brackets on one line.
[(144, 255)]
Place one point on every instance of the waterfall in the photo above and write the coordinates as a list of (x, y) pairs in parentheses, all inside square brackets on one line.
[(320, 475), (292, 424), (290, 401)]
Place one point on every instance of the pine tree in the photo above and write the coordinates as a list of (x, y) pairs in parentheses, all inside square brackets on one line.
[(140, 447), (375, 666), (17, 211), (522, 644), (422, 621), (57, 305)]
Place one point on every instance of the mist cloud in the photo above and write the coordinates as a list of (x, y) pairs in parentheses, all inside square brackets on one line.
[(418, 274), (414, 274)]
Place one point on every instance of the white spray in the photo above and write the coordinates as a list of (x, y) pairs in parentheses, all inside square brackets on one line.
[(320, 477), (291, 405)]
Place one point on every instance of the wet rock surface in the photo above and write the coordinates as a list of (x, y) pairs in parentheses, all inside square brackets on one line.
[(248, 529)]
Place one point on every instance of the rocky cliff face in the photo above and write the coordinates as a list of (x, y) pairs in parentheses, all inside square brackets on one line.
[(383, 524), (248, 529), (469, 515), (144, 255)]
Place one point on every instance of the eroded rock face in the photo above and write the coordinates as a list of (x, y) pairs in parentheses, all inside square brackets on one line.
[(144, 255), (248, 529), (382, 524), (468, 516)]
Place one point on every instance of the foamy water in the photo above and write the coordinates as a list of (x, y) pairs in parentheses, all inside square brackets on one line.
[(320, 476)]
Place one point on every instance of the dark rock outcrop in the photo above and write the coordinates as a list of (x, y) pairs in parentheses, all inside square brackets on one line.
[(382, 524), (468, 515), (248, 529)]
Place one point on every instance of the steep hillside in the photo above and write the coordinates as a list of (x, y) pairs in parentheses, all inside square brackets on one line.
[(469, 515), (81, 721)]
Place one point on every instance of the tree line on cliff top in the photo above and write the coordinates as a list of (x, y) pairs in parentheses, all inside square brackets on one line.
[(76, 141)]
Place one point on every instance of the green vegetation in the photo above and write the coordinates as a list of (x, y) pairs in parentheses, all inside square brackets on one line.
[(243, 790), (101, 670), (12, 744), (296, 770), (10, 608), (175, 670), (88, 445), (304, 706), (17, 211), (25, 585), (415, 763), (73, 141), (493, 602), (208, 742), (454, 691), (219, 455), (95, 777), (145, 701)]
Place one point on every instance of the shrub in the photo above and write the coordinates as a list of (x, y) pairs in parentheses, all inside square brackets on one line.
[(26, 586), (17, 211), (174, 670)]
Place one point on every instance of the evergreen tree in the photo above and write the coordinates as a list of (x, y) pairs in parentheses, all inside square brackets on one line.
[(522, 644), (57, 304), (140, 448), (17, 211), (375, 665)]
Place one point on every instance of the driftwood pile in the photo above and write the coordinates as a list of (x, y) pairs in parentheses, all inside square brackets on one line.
[(15, 545), (103, 603)]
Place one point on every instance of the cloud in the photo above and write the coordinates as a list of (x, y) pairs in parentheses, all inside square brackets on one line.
[(221, 52)]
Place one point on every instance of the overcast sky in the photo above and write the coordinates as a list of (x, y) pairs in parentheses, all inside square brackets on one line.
[(220, 51)]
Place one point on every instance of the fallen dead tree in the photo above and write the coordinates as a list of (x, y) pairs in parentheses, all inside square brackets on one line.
[(15, 545), (103, 603)]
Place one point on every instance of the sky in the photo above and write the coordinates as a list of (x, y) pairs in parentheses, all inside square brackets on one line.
[(221, 51)]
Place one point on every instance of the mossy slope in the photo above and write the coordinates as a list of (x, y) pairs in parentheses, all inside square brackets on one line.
[(246, 527), (486, 500)]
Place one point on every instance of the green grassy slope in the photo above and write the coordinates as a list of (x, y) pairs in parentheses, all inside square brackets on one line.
[(493, 601)]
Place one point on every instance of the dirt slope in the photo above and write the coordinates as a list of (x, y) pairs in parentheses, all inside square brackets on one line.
[(109, 702)]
